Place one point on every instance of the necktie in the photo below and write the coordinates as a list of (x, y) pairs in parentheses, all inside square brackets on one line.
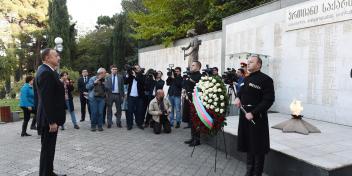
[(85, 79), (113, 83)]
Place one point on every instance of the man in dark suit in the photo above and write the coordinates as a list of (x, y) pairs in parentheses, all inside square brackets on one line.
[(115, 93), (51, 108), (83, 94), (136, 97)]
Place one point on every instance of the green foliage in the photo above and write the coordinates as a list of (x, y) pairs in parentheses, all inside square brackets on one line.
[(59, 26), (169, 20), (13, 103)]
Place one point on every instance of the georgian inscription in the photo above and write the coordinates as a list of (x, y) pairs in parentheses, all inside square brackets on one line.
[(318, 12)]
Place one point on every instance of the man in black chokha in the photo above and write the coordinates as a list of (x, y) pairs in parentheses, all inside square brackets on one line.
[(256, 96)]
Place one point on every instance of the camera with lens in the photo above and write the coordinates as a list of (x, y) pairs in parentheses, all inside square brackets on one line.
[(186, 73), (170, 70), (229, 76), (208, 71), (151, 73)]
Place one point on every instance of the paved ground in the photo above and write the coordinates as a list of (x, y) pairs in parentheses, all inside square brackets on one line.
[(112, 152)]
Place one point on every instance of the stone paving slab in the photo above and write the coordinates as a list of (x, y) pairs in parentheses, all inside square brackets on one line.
[(113, 152)]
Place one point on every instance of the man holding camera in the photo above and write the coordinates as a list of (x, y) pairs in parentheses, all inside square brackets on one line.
[(160, 108), (96, 94), (136, 96), (189, 84), (174, 80)]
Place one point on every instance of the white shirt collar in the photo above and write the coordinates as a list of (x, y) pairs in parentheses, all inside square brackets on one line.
[(49, 67)]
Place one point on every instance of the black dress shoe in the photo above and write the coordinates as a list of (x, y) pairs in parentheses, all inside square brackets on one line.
[(100, 129), (93, 129), (189, 141), (109, 126), (33, 127), (194, 143), (186, 127), (141, 127), (129, 128), (81, 120), (177, 125), (25, 134), (119, 125), (76, 127), (54, 174)]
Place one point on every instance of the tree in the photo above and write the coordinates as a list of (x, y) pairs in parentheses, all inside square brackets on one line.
[(166, 21), (59, 26)]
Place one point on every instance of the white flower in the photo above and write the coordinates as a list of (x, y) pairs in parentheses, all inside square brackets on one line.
[(214, 81), (210, 95), (215, 96), (219, 90), (205, 98), (207, 106), (200, 93), (221, 111), (222, 97), (217, 110), (218, 84), (222, 104), (212, 107), (210, 100), (216, 99), (211, 85), (205, 103), (210, 78), (215, 103)]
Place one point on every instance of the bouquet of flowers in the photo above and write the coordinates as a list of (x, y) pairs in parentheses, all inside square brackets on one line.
[(210, 102)]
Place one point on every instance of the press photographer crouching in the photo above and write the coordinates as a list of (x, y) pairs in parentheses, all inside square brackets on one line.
[(136, 96), (174, 80), (189, 84), (153, 82), (160, 108)]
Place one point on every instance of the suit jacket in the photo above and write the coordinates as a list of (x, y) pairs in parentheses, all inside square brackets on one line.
[(51, 97), (140, 78), (82, 85), (108, 85), (154, 108)]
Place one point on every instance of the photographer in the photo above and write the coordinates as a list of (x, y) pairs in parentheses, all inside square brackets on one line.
[(152, 84), (175, 83), (97, 96), (159, 108), (189, 84), (136, 96), (241, 75), (68, 85)]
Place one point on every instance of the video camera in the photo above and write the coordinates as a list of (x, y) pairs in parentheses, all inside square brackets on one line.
[(151, 73), (208, 71), (130, 68), (186, 73), (170, 70), (230, 76)]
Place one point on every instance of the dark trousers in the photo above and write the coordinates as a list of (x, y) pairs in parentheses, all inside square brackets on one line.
[(164, 122), (136, 109), (47, 153), (195, 134), (84, 103), (148, 117), (185, 111), (27, 117), (255, 165)]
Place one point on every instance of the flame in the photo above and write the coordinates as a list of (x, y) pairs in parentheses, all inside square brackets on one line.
[(296, 107)]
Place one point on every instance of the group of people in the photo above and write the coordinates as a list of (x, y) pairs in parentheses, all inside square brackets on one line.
[(49, 95)]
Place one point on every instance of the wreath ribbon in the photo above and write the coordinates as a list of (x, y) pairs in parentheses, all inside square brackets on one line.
[(202, 113)]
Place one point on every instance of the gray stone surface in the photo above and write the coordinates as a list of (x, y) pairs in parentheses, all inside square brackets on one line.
[(114, 151)]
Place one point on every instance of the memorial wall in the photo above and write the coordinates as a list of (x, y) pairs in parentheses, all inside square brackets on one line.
[(307, 47)]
